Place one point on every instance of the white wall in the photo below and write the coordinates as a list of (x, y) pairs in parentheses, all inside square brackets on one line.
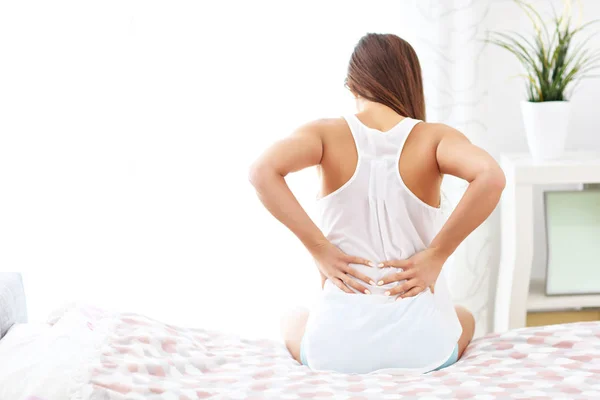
[(505, 129)]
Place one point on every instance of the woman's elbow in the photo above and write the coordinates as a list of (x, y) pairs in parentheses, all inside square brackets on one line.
[(255, 173), (259, 174), (494, 179)]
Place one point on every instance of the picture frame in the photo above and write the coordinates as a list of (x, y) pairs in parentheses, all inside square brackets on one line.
[(572, 230)]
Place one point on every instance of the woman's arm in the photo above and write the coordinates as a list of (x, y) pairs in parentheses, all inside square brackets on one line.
[(304, 148), (458, 157)]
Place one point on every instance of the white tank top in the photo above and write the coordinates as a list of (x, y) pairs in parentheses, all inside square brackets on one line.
[(375, 216)]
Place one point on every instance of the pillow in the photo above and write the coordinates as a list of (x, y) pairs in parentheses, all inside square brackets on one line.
[(12, 301)]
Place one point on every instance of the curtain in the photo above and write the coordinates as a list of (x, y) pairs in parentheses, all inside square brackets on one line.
[(127, 130), (452, 34)]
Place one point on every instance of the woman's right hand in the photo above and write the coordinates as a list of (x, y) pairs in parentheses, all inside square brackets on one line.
[(334, 264)]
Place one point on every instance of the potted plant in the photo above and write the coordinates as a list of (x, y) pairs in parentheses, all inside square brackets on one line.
[(554, 64)]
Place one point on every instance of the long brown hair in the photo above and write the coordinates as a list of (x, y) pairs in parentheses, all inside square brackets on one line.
[(385, 69)]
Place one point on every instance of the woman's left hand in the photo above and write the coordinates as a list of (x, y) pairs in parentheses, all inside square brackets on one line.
[(419, 272)]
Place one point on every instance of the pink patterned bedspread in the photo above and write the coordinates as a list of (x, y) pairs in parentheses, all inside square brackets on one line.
[(146, 359)]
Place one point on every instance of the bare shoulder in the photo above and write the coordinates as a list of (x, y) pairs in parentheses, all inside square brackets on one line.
[(326, 129), (434, 132), (324, 125)]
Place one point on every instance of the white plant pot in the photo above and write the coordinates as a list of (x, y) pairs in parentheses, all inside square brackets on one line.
[(546, 127)]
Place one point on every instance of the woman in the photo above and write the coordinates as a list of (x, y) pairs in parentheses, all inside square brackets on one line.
[(381, 245)]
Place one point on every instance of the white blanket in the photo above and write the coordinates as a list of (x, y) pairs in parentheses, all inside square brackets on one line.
[(50, 361)]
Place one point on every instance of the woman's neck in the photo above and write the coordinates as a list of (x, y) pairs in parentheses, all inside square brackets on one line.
[(376, 115), (377, 110)]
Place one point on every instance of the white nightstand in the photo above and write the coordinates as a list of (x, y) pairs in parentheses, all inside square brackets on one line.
[(514, 294)]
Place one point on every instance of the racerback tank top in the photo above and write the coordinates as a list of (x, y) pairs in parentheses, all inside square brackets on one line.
[(375, 216)]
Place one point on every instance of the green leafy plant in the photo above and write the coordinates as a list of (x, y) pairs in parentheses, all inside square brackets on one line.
[(553, 62)]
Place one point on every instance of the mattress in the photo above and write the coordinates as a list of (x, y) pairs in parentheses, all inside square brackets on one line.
[(117, 356)]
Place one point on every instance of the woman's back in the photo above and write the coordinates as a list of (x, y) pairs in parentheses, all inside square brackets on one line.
[(418, 167), (370, 211), (367, 207)]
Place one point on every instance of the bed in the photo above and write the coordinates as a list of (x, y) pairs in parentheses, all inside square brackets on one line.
[(86, 353)]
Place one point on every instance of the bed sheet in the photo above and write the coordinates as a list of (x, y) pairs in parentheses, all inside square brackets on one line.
[(141, 358)]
